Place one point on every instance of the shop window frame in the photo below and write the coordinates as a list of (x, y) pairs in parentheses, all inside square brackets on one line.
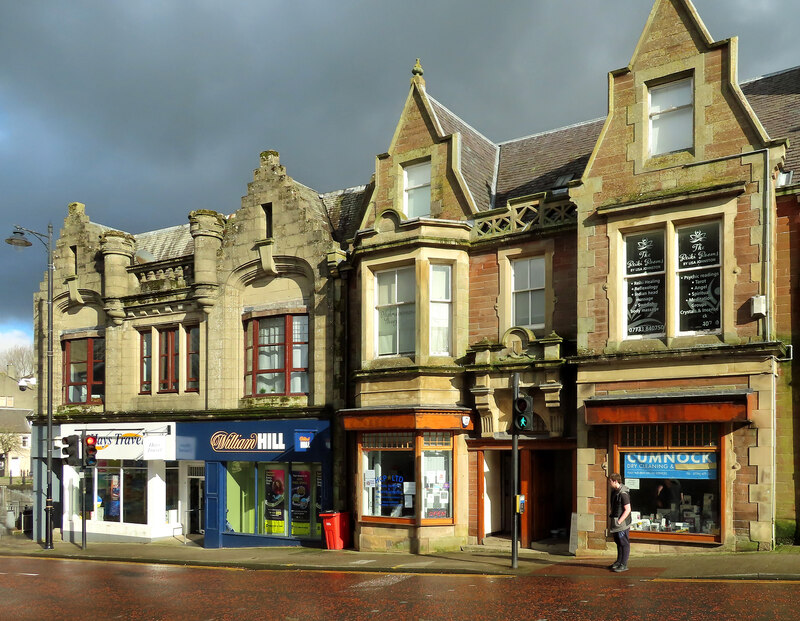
[(418, 437), (669, 446)]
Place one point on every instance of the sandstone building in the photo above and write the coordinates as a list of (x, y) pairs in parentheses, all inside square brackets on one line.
[(358, 350)]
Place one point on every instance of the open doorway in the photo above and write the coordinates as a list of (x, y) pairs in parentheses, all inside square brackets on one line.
[(498, 488)]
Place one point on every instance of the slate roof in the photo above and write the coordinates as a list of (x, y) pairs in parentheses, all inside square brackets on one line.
[(345, 210), (775, 99), (169, 243), (12, 420), (478, 155), (535, 163)]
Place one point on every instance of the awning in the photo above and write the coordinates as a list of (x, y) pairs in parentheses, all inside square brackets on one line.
[(683, 407)]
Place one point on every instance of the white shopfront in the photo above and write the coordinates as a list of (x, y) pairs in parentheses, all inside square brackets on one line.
[(133, 494)]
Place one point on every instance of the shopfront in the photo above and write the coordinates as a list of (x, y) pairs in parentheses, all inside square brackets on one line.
[(133, 492), (266, 481), (672, 455), (411, 479)]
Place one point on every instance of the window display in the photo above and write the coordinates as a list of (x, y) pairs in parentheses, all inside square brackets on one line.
[(121, 491), (672, 472)]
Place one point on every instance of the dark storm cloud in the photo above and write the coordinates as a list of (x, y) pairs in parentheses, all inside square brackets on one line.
[(145, 110)]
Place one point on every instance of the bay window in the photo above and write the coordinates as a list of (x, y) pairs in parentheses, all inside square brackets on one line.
[(145, 362), (440, 309), (84, 370), (193, 359), (395, 313), (276, 355)]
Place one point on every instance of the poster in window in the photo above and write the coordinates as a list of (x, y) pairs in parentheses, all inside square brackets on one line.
[(644, 253), (274, 501), (646, 308), (301, 498), (699, 293), (698, 246)]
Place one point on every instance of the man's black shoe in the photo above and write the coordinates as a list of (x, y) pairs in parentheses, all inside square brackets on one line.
[(620, 568)]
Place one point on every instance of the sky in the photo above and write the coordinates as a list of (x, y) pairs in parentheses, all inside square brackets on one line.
[(145, 110)]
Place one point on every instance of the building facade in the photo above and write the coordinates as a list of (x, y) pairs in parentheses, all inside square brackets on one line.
[(360, 350)]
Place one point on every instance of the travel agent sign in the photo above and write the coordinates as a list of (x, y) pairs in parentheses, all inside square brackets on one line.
[(258, 440), (139, 441)]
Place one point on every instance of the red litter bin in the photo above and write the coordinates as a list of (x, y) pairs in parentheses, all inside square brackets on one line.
[(337, 530)]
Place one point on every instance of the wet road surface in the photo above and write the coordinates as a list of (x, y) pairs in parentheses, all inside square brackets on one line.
[(68, 589)]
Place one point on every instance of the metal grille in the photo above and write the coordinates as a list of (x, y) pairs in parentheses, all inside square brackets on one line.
[(436, 439), (197, 471), (642, 435), (395, 440), (695, 434)]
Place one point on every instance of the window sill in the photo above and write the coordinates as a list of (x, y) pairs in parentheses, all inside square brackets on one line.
[(643, 535)]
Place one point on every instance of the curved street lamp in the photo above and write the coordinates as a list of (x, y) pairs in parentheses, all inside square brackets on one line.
[(19, 240)]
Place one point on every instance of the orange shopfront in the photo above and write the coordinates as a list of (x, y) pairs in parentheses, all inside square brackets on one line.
[(672, 451), (410, 464)]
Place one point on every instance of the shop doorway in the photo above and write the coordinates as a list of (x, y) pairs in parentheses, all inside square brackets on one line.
[(551, 483), (498, 488), (196, 505)]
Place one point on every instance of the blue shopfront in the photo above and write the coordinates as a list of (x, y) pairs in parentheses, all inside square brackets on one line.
[(266, 482)]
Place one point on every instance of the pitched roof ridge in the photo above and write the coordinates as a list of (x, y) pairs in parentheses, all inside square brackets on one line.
[(770, 75), (462, 121), (353, 189), (551, 131)]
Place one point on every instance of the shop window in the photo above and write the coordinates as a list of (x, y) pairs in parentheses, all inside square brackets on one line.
[(145, 362), (691, 271), (528, 291), (276, 355), (84, 370), (120, 491), (671, 117), (171, 485), (168, 367), (193, 359), (389, 484), (672, 471), (417, 190), (395, 312), (275, 499), (440, 310), (390, 475)]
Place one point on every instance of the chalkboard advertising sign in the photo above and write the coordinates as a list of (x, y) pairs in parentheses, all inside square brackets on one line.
[(646, 285), (699, 277)]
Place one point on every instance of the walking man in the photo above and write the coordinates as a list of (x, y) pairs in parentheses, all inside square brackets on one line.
[(620, 521)]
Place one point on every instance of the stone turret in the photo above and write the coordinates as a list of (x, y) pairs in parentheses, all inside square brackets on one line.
[(206, 227), (117, 249)]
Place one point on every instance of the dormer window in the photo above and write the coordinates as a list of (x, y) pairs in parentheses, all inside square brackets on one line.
[(671, 117), (417, 190)]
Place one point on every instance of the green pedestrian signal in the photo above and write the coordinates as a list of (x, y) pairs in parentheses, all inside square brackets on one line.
[(523, 413)]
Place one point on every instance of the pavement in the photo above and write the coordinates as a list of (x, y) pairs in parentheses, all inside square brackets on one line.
[(783, 563)]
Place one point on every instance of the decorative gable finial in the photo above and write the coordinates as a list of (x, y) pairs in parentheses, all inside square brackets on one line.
[(417, 70)]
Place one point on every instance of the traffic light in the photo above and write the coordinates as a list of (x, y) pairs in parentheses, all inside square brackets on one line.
[(523, 413), (89, 451), (72, 450)]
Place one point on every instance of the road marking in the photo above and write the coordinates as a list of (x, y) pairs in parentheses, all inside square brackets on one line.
[(730, 580), (363, 561), (381, 581)]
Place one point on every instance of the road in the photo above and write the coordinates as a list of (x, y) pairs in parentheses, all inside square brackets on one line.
[(57, 589)]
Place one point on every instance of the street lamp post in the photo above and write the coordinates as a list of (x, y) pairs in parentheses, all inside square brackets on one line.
[(18, 239)]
